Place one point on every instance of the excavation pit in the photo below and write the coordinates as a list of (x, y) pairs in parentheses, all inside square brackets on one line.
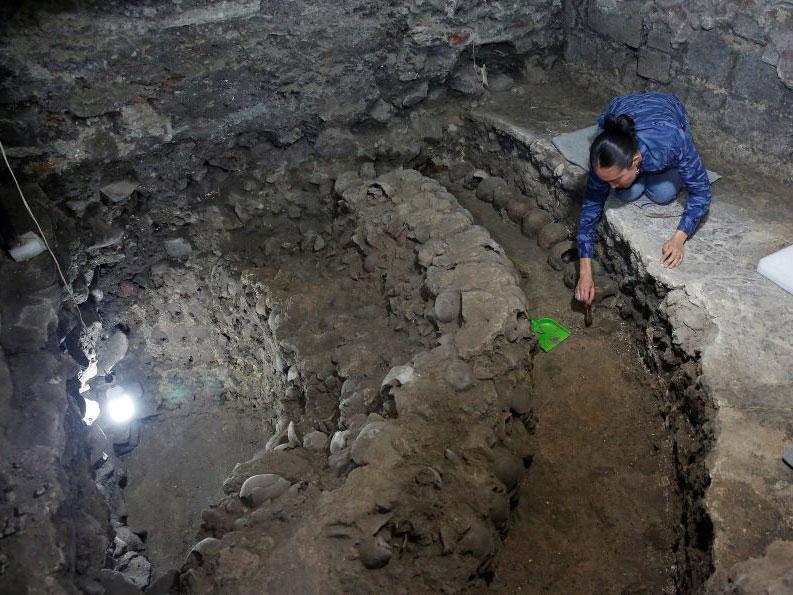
[(305, 253)]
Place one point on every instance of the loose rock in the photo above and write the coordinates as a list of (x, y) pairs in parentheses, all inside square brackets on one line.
[(333, 143), (500, 82), (459, 375), (135, 568), (370, 263), (103, 235), (375, 552), (119, 191), (551, 234), (111, 351), (381, 111), (487, 188), (315, 440), (365, 445), (447, 305), (399, 375), (292, 435), (178, 248), (167, 583), (116, 583), (517, 208), (131, 540), (534, 220), (339, 441), (416, 95), (258, 489), (467, 80)]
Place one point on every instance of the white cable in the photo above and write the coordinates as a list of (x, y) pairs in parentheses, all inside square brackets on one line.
[(43, 237)]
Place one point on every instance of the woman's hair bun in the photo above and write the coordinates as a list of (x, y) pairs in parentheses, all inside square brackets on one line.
[(622, 124)]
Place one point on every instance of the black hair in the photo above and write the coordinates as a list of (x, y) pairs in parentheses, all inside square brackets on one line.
[(616, 145)]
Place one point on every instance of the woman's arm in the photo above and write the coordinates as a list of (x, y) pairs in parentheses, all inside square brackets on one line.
[(591, 210), (695, 177)]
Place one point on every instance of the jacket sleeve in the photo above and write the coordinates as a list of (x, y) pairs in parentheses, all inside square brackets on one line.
[(695, 177), (591, 210)]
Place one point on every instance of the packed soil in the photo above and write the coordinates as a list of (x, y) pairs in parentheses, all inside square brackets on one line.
[(598, 505)]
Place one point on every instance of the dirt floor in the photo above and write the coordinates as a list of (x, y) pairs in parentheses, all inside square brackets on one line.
[(598, 504), (178, 470)]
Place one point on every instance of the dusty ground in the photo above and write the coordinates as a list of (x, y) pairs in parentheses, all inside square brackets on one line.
[(597, 508), (178, 469)]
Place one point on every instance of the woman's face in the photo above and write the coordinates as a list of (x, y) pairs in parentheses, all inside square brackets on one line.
[(619, 177)]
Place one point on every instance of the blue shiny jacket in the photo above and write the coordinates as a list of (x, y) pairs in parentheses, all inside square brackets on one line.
[(665, 142)]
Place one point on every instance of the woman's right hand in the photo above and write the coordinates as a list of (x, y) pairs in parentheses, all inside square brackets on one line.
[(585, 290)]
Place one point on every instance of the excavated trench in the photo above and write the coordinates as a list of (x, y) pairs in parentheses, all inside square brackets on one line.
[(606, 505), (630, 392), (280, 334), (333, 376), (305, 241)]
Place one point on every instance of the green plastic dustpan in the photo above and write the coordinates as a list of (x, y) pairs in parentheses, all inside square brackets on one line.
[(548, 332)]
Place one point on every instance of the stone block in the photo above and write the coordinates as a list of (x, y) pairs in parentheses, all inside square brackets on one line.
[(709, 57), (784, 68), (416, 94), (619, 20), (747, 27), (654, 65), (743, 119), (615, 59), (571, 15), (659, 37), (756, 81), (770, 55), (581, 49), (702, 97)]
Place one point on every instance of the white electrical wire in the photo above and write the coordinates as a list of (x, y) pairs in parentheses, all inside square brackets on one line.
[(43, 237)]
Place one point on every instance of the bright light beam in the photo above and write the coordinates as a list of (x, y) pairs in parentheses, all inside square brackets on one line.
[(121, 408)]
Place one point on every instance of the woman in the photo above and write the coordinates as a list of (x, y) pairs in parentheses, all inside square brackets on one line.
[(645, 148)]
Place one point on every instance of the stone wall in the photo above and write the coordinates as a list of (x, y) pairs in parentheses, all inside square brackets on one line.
[(53, 523), (109, 82), (730, 62)]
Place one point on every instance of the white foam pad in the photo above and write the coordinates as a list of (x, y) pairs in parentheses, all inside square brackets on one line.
[(778, 267)]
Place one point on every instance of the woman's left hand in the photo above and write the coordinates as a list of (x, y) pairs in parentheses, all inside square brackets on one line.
[(674, 250)]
